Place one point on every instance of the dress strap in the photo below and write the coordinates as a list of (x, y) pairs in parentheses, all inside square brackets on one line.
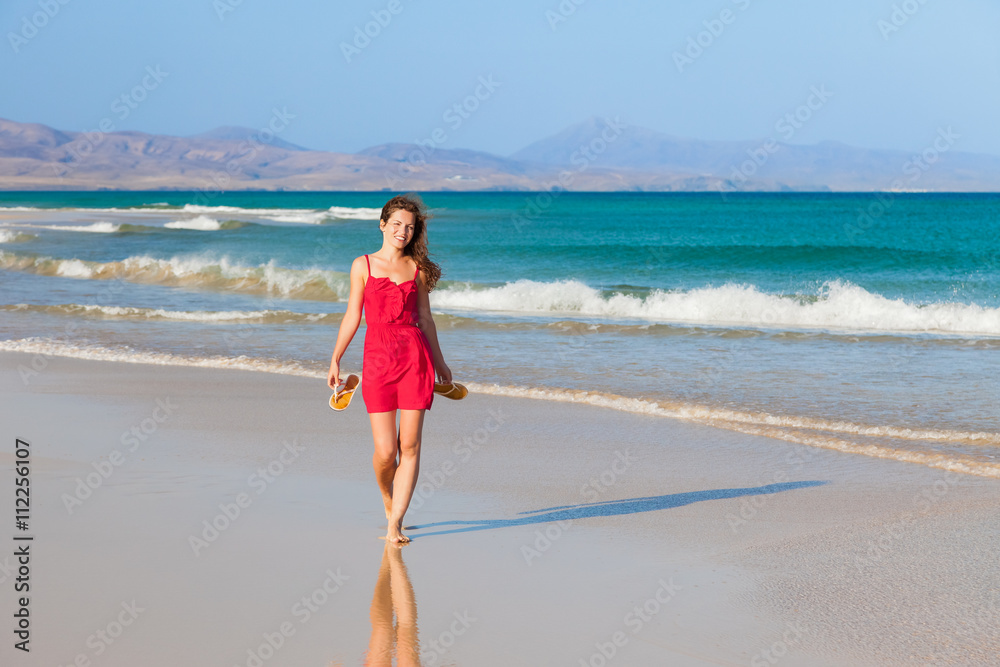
[(416, 273), (369, 266)]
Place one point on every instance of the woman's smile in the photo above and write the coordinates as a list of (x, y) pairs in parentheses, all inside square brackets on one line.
[(400, 227)]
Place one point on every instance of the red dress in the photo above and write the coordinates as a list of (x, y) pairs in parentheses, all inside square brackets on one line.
[(398, 370)]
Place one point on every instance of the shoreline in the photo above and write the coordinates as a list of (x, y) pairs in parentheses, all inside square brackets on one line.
[(886, 442), (547, 523)]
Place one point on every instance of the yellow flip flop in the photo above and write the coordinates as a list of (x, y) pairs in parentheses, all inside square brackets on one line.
[(454, 391), (342, 397)]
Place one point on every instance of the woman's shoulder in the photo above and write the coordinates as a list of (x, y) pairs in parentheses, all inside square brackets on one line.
[(359, 268), (364, 262)]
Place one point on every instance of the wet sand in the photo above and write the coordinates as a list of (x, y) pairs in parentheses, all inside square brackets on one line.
[(233, 519)]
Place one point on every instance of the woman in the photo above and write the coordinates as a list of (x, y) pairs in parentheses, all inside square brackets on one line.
[(401, 349)]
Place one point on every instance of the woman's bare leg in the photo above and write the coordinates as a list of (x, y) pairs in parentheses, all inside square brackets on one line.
[(386, 449), (411, 424)]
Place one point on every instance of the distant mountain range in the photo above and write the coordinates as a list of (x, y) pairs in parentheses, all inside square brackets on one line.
[(595, 155)]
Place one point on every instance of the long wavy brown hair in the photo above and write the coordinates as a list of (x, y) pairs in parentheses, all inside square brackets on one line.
[(417, 247)]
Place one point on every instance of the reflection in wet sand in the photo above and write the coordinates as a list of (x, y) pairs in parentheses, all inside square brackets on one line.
[(393, 598)]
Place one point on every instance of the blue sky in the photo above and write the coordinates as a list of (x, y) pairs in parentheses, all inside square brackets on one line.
[(896, 70)]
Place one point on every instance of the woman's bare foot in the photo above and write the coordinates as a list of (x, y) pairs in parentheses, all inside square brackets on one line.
[(395, 533)]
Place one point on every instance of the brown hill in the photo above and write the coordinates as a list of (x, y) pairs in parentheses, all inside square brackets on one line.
[(587, 156)]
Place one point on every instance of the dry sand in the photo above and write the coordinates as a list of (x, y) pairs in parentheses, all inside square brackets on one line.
[(544, 534)]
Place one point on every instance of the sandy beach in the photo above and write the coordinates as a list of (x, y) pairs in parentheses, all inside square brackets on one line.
[(214, 517), (722, 282)]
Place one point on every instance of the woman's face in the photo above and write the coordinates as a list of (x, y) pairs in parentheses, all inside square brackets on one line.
[(398, 230)]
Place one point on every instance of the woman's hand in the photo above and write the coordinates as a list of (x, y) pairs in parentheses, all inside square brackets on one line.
[(333, 379), (444, 374)]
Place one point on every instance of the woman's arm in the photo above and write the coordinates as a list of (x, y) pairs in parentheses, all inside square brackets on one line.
[(426, 323), (352, 319)]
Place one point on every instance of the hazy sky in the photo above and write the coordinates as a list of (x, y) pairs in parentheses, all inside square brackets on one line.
[(895, 70)]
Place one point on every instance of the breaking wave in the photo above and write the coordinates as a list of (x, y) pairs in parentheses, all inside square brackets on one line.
[(96, 311), (203, 223), (192, 272), (7, 236), (837, 306), (293, 215)]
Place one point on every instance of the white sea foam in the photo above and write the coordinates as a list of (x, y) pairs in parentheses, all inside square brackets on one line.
[(301, 217), (801, 430), (837, 306), (128, 355), (197, 208), (701, 413), (102, 227), (305, 216), (74, 268), (135, 313), (14, 237), (192, 271), (198, 223), (292, 215), (201, 223), (346, 213), (184, 315)]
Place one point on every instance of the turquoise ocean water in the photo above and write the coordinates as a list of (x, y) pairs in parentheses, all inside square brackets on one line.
[(860, 322)]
